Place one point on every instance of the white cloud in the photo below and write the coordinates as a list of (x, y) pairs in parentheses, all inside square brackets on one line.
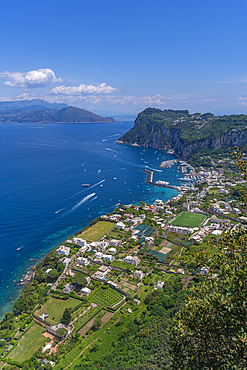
[(35, 78), (241, 101), (83, 89)]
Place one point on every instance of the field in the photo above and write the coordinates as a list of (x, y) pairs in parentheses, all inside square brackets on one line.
[(79, 323), (122, 265), (55, 308), (33, 339), (188, 219), (105, 297), (96, 231)]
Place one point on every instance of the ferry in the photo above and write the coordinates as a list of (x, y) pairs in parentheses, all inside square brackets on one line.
[(84, 185)]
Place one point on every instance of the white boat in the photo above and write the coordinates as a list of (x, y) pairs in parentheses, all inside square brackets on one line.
[(84, 185), (101, 186)]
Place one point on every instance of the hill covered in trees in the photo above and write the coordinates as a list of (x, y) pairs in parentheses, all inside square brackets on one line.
[(40, 111), (186, 133)]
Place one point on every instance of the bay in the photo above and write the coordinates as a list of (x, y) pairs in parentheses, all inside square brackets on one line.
[(42, 201)]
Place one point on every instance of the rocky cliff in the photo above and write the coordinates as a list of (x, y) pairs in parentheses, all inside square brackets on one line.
[(186, 133)]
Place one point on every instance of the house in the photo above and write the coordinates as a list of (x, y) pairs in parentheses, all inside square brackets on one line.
[(86, 291), (63, 250), (53, 328), (112, 284), (236, 211), (65, 261), (79, 241), (112, 250), (120, 225), (47, 271), (115, 242), (107, 257), (82, 261), (68, 288), (132, 260), (43, 316), (138, 274), (101, 273), (158, 202)]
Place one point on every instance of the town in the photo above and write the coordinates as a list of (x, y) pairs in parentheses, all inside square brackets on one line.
[(106, 271)]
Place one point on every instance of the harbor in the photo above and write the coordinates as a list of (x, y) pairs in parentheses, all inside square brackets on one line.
[(159, 183)]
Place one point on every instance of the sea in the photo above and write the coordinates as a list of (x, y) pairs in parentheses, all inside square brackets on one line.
[(42, 168)]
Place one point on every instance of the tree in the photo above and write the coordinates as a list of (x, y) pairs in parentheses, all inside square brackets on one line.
[(67, 316), (79, 279), (210, 332)]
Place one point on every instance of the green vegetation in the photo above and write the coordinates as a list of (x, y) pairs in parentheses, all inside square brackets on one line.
[(81, 321), (188, 219), (55, 308), (105, 297), (189, 128), (96, 231), (33, 339)]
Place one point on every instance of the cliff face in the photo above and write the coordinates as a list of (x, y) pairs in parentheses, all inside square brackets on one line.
[(231, 138), (184, 133)]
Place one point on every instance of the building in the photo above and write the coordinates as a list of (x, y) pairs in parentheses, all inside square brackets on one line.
[(115, 242), (85, 291), (112, 250), (132, 260), (63, 250), (82, 261), (107, 257), (79, 241), (68, 288), (120, 225), (138, 274)]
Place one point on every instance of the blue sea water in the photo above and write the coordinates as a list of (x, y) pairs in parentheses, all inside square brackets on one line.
[(42, 168)]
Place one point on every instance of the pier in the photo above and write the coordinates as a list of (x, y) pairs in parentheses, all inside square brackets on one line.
[(150, 175)]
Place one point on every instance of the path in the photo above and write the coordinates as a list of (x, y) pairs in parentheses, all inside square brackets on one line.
[(87, 309), (19, 346), (93, 340)]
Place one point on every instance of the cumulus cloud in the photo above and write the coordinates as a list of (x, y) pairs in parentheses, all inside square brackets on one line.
[(31, 79), (83, 89)]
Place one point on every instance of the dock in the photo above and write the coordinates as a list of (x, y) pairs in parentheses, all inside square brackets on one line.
[(150, 175)]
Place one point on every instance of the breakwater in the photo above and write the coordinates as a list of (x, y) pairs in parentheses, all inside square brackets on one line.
[(160, 184)]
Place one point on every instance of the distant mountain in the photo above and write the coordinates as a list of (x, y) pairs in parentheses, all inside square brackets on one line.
[(35, 103), (39, 111), (77, 115)]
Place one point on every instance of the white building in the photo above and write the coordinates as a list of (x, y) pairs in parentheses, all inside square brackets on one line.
[(82, 261), (115, 242), (63, 250), (132, 260), (112, 250), (86, 291), (107, 257), (79, 241), (120, 225), (138, 274)]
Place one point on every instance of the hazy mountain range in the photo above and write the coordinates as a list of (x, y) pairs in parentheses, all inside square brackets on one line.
[(40, 111)]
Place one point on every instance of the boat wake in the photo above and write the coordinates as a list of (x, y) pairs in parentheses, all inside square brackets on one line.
[(109, 137), (112, 150), (60, 210), (82, 201)]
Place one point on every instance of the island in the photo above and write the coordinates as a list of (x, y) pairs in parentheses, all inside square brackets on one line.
[(197, 138), (106, 296), (40, 111)]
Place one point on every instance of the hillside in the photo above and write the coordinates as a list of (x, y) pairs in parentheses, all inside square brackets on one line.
[(39, 111), (186, 133)]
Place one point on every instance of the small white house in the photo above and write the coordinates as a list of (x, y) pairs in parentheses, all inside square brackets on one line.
[(82, 261), (138, 274), (112, 250), (79, 241), (86, 291), (63, 250), (115, 242), (120, 225)]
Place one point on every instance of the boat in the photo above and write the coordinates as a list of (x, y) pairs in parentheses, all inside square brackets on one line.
[(101, 186), (114, 178), (84, 185), (85, 170), (82, 165), (18, 249)]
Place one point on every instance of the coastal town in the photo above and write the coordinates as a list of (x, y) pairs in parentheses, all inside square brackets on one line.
[(106, 271)]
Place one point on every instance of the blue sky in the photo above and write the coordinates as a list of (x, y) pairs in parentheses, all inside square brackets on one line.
[(123, 56)]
